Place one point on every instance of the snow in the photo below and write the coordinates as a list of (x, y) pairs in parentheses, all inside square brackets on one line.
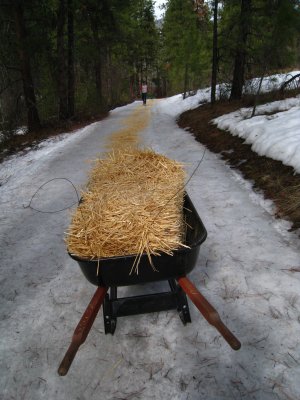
[(22, 130), (274, 131), (269, 83), (245, 269), (276, 136)]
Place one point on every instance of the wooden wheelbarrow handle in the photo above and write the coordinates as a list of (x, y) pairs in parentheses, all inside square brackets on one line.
[(82, 330), (209, 313)]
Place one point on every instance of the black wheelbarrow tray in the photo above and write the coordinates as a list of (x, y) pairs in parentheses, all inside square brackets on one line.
[(113, 272)]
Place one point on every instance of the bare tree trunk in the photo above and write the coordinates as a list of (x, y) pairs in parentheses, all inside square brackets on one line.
[(33, 119), (295, 78), (185, 81), (61, 61), (98, 78), (257, 94), (158, 82), (241, 52), (98, 61), (214, 55), (71, 74), (164, 85)]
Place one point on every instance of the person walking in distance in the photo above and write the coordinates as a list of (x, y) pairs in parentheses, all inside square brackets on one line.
[(144, 92)]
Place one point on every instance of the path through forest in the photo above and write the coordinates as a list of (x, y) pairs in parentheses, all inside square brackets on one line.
[(245, 269)]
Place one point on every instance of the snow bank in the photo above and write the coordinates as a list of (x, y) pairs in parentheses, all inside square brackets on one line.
[(276, 136)]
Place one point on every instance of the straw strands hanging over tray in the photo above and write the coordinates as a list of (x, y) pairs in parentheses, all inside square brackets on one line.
[(133, 205)]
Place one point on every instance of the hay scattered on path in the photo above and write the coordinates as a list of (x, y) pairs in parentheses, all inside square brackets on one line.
[(129, 134), (133, 205)]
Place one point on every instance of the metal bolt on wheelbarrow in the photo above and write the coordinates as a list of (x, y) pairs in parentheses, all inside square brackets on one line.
[(115, 272)]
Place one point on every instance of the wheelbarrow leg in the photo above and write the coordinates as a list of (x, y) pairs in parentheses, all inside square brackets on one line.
[(182, 303), (209, 313), (110, 322), (82, 330)]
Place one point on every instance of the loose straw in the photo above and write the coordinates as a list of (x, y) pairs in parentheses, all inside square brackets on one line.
[(133, 205)]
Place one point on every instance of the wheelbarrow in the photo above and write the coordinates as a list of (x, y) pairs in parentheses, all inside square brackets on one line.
[(110, 273)]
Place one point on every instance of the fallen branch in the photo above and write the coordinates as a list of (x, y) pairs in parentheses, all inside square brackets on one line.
[(285, 84)]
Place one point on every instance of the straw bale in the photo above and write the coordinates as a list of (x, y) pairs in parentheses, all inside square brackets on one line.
[(133, 205)]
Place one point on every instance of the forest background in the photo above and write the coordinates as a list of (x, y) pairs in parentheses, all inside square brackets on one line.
[(63, 61)]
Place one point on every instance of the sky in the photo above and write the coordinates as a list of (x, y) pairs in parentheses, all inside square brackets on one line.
[(248, 269), (157, 10)]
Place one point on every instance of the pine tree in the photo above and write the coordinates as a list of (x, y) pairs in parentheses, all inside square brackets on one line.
[(184, 45), (256, 36), (33, 120), (214, 53), (240, 57)]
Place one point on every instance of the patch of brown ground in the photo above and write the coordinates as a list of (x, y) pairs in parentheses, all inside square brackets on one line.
[(277, 181)]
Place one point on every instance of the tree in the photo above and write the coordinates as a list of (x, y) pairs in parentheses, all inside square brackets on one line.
[(184, 45), (256, 36), (65, 58), (33, 120), (69, 60), (238, 79), (277, 44), (142, 41), (71, 72), (214, 54), (61, 61)]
